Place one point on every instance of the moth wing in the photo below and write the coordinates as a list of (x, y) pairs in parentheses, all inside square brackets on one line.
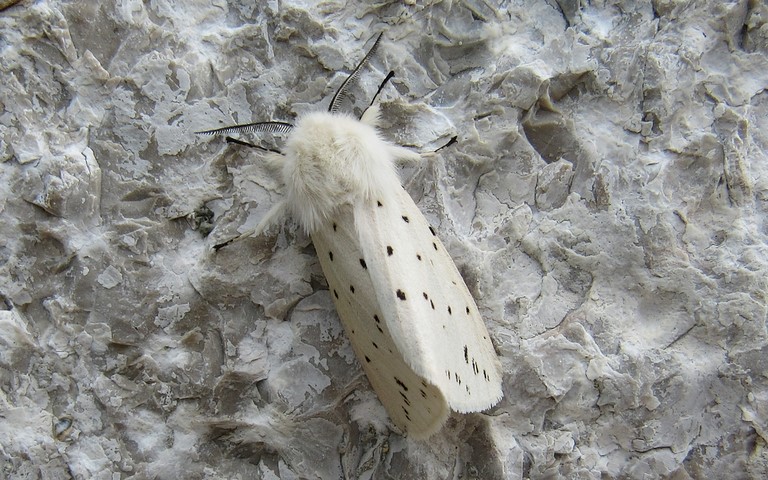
[(414, 405), (428, 310)]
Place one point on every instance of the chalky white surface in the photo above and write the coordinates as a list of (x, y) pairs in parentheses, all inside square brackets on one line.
[(605, 203)]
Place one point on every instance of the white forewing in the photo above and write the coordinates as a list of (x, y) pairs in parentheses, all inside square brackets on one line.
[(427, 308), (410, 318), (414, 405)]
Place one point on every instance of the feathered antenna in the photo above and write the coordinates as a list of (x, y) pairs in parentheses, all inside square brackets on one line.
[(270, 127), (341, 92), (381, 86)]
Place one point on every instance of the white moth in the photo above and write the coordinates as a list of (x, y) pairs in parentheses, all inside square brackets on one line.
[(409, 316)]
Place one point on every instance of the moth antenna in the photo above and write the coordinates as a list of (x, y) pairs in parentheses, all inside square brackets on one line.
[(381, 86), (341, 92), (270, 127)]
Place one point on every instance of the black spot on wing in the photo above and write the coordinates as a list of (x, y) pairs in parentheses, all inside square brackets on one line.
[(466, 354), (365, 267), (418, 256), (368, 360), (434, 244), (352, 288), (401, 384), (330, 255), (432, 230), (449, 310), (334, 226), (467, 310), (405, 219), (390, 251), (400, 294), (378, 203), (335, 294)]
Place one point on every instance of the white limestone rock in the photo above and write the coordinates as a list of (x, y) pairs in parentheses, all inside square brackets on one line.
[(605, 203)]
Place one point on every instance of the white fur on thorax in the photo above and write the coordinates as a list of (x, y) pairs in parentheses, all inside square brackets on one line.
[(333, 159)]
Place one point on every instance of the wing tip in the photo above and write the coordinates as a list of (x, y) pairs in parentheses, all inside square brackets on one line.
[(490, 400), (439, 423)]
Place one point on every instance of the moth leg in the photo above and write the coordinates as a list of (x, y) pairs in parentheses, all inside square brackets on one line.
[(409, 156), (405, 155), (450, 142), (274, 160), (251, 145), (274, 213)]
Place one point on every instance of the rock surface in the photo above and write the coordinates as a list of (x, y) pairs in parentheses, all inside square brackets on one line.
[(605, 202)]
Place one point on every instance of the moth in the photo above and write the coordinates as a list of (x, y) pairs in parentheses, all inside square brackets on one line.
[(410, 318)]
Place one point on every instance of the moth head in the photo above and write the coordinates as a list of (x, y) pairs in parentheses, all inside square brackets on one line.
[(332, 159)]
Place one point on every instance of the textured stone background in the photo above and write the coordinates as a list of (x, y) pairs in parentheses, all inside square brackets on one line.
[(605, 203)]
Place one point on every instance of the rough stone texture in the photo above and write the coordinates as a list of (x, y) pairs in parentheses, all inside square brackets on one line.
[(605, 203)]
